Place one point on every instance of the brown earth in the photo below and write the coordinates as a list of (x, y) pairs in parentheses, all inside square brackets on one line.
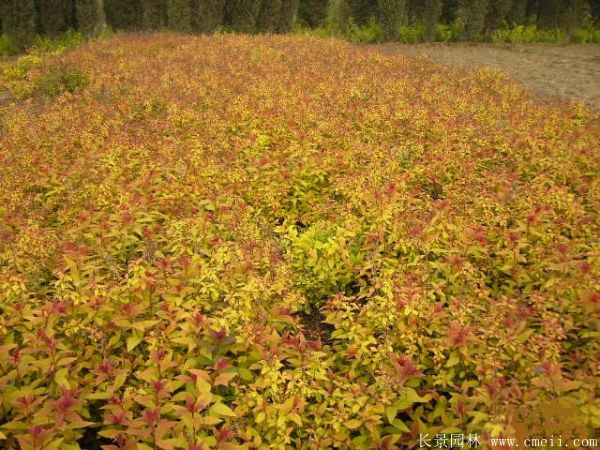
[(552, 72)]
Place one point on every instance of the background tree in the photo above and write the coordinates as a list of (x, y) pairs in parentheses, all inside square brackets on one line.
[(426, 13), (89, 16), (268, 16), (208, 15), (576, 13), (431, 14), (392, 15), (52, 17), (595, 11), (124, 14), (450, 11), (472, 14), (518, 13), (363, 10), (550, 13), (287, 16), (70, 14), (18, 21), (154, 14), (497, 14), (179, 14), (339, 15), (242, 15), (21, 19), (312, 13)]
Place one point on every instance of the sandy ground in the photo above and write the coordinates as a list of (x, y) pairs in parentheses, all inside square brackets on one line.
[(551, 71)]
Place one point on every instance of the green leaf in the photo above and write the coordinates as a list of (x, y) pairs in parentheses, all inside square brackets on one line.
[(15, 425), (144, 324), (246, 374), (453, 360), (399, 425), (219, 409), (60, 378), (141, 446), (525, 335), (295, 417), (54, 445), (353, 424), (390, 413), (132, 342)]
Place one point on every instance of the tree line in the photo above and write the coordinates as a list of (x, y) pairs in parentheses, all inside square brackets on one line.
[(21, 20)]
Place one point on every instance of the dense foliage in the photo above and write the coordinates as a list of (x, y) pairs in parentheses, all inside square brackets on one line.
[(287, 242), (357, 20)]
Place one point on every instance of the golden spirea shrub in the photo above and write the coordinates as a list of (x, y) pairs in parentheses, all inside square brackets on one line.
[(237, 242)]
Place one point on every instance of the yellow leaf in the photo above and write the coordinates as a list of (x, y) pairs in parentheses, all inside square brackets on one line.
[(60, 378), (132, 342), (295, 417), (398, 424), (353, 424), (390, 413), (219, 409), (453, 360)]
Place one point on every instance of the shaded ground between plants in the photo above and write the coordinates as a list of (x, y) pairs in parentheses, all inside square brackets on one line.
[(551, 71)]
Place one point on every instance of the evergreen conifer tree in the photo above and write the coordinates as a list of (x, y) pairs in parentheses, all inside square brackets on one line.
[(19, 21), (392, 15), (208, 15), (472, 14), (242, 15)]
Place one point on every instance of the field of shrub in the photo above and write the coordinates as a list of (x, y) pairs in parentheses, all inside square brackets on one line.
[(254, 242)]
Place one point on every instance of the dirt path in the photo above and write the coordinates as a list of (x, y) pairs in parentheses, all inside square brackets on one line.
[(567, 72)]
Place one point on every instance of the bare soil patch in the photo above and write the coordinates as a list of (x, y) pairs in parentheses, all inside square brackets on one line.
[(552, 72)]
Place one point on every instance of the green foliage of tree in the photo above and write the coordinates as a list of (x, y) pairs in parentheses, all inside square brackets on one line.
[(154, 14), (268, 16), (518, 12), (339, 15), (595, 12), (179, 13), (312, 13), (403, 20), (450, 11), (19, 21), (472, 14), (124, 14), (432, 12), (392, 15), (242, 15), (497, 15), (549, 13), (51, 17), (426, 14), (363, 10), (208, 15), (287, 16), (88, 16), (577, 13)]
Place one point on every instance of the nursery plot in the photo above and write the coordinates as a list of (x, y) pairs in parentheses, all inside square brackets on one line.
[(288, 242)]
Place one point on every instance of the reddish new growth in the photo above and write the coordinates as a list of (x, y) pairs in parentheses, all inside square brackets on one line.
[(405, 367), (458, 335)]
